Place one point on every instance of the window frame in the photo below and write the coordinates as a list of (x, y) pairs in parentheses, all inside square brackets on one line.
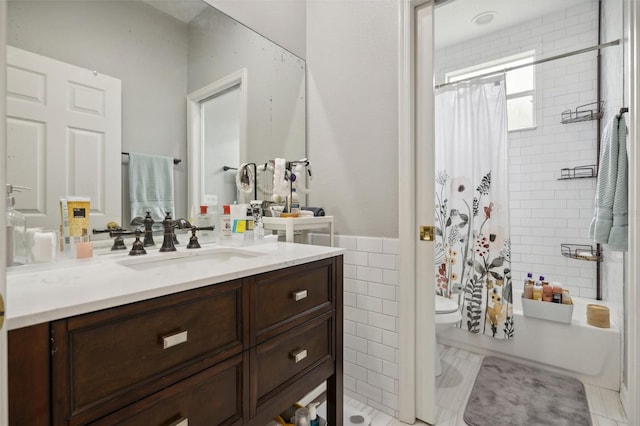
[(498, 66)]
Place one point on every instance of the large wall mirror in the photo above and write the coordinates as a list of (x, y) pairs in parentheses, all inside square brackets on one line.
[(162, 51)]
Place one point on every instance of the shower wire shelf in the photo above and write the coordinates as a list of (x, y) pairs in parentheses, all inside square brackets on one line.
[(586, 112), (580, 252), (579, 172)]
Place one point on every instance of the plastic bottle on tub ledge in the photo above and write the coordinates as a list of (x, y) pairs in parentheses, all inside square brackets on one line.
[(528, 287), (537, 289), (547, 292)]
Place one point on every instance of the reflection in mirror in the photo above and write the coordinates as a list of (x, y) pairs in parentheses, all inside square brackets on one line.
[(160, 57), (220, 140)]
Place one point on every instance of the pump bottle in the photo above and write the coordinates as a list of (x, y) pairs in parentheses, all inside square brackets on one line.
[(16, 230)]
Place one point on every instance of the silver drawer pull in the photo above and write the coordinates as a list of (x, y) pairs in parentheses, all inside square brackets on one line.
[(181, 422), (173, 340), (299, 295), (298, 355)]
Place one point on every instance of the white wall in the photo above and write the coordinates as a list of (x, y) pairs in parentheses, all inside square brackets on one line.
[(546, 212), (219, 47), (281, 21), (352, 123)]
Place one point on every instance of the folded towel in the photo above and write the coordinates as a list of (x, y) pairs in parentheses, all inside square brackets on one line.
[(317, 211), (151, 185)]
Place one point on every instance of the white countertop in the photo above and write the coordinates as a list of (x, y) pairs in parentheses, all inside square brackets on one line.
[(47, 292)]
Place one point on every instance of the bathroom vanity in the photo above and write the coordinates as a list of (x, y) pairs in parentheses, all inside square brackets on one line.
[(222, 336)]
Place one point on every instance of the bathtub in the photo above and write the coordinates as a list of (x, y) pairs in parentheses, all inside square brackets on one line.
[(590, 354)]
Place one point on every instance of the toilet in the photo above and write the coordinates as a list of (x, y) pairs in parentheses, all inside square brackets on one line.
[(447, 314)]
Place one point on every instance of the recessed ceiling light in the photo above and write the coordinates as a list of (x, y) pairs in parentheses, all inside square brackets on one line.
[(483, 18)]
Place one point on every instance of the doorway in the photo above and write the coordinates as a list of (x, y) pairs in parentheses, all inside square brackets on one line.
[(408, 232), (217, 129)]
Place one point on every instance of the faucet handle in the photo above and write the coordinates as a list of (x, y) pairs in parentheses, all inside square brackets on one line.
[(137, 248)]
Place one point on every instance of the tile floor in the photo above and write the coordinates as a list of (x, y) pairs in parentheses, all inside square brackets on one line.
[(453, 386)]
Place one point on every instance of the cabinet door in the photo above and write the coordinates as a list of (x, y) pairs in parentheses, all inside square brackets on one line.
[(29, 376), (215, 396)]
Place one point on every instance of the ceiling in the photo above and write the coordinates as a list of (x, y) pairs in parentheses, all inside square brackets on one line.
[(453, 18), (182, 10)]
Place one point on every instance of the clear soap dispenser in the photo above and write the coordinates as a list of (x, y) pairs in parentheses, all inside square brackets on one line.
[(16, 230)]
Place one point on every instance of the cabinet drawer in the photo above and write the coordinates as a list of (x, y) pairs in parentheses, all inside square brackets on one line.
[(113, 357), (282, 358), (212, 397), (289, 297)]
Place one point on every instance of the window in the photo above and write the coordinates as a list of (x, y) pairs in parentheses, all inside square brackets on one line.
[(520, 86)]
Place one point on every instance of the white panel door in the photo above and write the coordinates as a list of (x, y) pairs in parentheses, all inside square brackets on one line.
[(63, 138)]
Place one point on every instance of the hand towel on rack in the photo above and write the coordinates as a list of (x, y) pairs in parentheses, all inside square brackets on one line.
[(151, 185), (612, 183)]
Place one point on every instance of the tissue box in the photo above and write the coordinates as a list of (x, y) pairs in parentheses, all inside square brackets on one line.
[(547, 310)]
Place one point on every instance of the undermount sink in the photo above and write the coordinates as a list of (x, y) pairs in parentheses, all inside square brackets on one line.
[(191, 258)]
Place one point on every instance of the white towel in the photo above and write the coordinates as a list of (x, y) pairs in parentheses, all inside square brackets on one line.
[(609, 224), (280, 183), (151, 185)]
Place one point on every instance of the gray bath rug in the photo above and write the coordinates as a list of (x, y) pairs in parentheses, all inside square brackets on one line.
[(509, 394)]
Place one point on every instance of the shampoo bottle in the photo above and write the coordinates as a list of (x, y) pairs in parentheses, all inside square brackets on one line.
[(16, 232), (537, 289), (528, 288)]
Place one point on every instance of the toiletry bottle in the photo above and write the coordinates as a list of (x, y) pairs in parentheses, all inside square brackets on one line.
[(557, 293), (566, 298), (547, 292), (249, 232), (258, 228), (537, 289), (302, 417), (528, 288), (204, 219), (529, 277), (225, 222), (313, 414), (295, 201), (16, 231)]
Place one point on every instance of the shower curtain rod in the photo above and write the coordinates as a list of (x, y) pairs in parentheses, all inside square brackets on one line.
[(539, 61)]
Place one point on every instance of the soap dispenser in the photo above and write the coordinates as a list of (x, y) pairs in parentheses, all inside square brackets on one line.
[(314, 419), (16, 230)]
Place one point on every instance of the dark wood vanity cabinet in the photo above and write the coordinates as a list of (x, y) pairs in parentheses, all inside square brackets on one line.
[(233, 353)]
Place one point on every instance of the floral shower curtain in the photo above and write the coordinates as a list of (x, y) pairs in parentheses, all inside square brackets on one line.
[(473, 251)]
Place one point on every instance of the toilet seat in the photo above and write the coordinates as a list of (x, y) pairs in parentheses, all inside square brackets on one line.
[(445, 305)]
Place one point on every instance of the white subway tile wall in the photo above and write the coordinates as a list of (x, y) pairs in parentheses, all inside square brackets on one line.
[(545, 211), (370, 319)]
